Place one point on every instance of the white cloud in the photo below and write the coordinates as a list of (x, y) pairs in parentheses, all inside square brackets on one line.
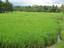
[(37, 2), (43, 2)]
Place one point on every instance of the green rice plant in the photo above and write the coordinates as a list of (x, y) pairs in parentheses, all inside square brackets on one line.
[(28, 29)]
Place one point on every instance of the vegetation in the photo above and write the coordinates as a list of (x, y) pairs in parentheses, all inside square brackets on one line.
[(28, 29), (31, 26), (37, 8), (60, 44), (5, 6)]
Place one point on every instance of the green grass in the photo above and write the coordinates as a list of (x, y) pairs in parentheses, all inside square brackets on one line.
[(60, 44), (28, 29)]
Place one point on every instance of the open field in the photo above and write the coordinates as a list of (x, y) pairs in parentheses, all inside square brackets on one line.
[(28, 29)]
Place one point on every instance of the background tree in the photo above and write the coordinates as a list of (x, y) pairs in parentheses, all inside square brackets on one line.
[(1, 6), (62, 7), (54, 8), (8, 6), (5, 6)]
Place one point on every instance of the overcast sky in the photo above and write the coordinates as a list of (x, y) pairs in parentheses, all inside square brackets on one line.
[(36, 2)]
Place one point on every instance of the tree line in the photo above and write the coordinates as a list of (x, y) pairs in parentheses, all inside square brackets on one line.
[(7, 6), (37, 8)]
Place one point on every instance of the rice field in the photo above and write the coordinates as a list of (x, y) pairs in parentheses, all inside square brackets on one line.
[(28, 29)]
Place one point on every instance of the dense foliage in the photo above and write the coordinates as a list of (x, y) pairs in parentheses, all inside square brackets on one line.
[(37, 8), (5, 6)]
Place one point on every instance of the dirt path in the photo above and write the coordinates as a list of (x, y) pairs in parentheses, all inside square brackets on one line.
[(53, 46)]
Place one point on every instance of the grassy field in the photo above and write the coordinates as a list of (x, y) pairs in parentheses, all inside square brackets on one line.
[(28, 29)]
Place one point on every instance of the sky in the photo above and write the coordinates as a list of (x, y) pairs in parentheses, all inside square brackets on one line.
[(36, 2)]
